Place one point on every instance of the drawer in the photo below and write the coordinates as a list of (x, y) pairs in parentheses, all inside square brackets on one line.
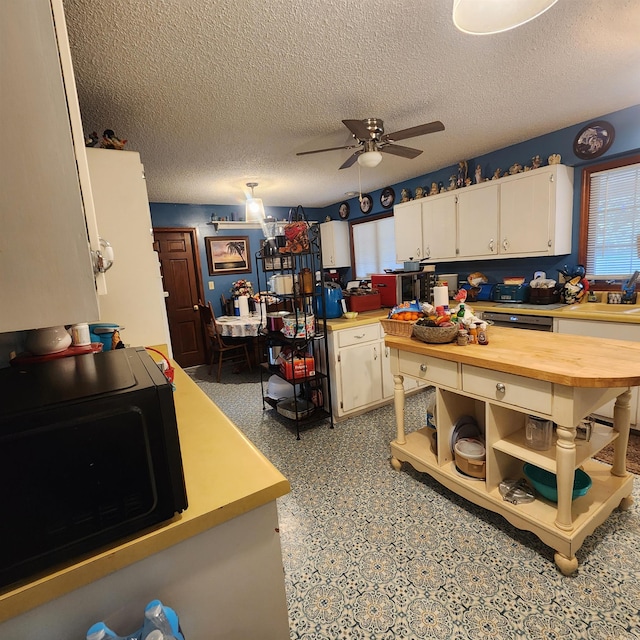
[(526, 393), (358, 335), (427, 369)]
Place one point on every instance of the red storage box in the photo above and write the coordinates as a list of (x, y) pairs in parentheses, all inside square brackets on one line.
[(297, 367), (367, 302)]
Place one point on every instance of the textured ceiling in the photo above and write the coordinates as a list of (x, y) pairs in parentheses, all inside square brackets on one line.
[(217, 93)]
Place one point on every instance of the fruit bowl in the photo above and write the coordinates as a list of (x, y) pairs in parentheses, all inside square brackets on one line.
[(350, 315), (435, 335)]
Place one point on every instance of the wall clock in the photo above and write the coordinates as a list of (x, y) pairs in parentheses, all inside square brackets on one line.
[(366, 203), (387, 197), (343, 211), (593, 140)]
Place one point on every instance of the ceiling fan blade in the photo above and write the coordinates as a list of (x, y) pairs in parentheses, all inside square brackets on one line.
[(413, 132), (306, 153), (397, 150), (358, 128), (350, 161)]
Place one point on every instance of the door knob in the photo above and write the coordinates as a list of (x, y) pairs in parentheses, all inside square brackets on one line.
[(195, 307)]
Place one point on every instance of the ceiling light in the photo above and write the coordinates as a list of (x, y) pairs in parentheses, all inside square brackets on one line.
[(370, 159), (483, 17), (254, 209)]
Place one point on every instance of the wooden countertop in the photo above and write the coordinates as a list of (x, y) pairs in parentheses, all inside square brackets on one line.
[(225, 476), (364, 317), (564, 359)]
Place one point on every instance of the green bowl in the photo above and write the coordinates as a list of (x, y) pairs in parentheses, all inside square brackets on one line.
[(544, 482)]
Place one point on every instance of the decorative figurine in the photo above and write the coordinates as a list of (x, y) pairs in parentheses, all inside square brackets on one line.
[(419, 193), (478, 174), (496, 174), (441, 188), (434, 189), (92, 140), (453, 183), (554, 158), (515, 168), (467, 182), (109, 140), (405, 195), (462, 173), (536, 162)]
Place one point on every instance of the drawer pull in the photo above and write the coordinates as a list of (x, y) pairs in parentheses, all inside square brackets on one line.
[(423, 367), (359, 337), (500, 388)]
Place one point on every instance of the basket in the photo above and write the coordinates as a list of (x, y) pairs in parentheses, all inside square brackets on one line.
[(397, 327), (166, 367), (435, 335)]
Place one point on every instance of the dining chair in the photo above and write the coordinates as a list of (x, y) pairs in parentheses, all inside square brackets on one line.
[(218, 346)]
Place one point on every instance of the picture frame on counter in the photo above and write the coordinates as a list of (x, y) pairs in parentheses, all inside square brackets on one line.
[(227, 254)]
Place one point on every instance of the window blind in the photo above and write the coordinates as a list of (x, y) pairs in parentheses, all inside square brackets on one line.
[(613, 238), (374, 247)]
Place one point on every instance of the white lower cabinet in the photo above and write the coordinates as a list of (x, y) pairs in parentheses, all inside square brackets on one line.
[(615, 331), (361, 376)]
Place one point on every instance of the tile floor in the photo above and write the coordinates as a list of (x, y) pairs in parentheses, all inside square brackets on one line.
[(373, 553)]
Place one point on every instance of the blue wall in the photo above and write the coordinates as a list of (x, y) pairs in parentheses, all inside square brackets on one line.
[(627, 140), (198, 216)]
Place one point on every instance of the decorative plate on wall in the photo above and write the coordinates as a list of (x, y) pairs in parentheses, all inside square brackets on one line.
[(366, 203), (387, 197), (343, 211), (593, 140)]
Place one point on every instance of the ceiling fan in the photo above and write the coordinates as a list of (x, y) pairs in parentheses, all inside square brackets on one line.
[(371, 140)]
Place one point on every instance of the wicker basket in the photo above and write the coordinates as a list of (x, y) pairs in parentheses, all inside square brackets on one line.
[(435, 335), (397, 327)]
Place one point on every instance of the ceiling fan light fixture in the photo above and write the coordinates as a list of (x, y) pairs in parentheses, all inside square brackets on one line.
[(370, 159), (485, 17), (254, 208)]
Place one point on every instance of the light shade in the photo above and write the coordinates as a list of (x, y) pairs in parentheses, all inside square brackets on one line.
[(370, 159), (483, 17), (254, 210)]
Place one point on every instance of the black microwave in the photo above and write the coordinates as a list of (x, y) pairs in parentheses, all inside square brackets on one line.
[(89, 454)]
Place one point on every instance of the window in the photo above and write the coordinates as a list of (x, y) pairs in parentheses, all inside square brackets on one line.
[(374, 246), (610, 219)]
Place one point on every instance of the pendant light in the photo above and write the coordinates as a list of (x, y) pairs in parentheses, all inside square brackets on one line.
[(254, 209), (484, 17)]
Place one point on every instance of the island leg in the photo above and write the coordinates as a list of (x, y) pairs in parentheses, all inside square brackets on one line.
[(621, 424), (398, 406), (565, 470), (566, 565)]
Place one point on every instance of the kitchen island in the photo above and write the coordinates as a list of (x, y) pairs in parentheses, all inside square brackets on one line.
[(218, 564), (559, 377)]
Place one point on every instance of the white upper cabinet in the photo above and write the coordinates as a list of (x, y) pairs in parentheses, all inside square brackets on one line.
[(334, 236), (46, 273), (527, 214), (535, 212)]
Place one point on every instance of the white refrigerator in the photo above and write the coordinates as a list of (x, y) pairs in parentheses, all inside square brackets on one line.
[(135, 296)]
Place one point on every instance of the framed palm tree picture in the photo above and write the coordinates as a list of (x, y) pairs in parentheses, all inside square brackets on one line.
[(228, 254)]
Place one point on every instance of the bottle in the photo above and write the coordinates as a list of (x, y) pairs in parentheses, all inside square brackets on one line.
[(158, 617), (460, 313), (473, 334), (236, 306), (100, 631), (482, 333), (307, 280)]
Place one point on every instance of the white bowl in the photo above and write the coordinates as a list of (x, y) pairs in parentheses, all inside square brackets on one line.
[(49, 340)]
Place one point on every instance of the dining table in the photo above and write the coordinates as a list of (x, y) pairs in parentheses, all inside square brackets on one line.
[(239, 326)]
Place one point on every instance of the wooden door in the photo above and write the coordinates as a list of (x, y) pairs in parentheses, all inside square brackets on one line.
[(180, 265)]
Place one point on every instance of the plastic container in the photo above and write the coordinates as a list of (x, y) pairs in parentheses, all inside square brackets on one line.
[(545, 482), (470, 457), (299, 325), (103, 332)]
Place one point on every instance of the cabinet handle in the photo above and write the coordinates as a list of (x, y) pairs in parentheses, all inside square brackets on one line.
[(500, 388), (359, 337), (423, 367), (427, 252), (387, 352), (375, 353), (505, 244), (491, 245)]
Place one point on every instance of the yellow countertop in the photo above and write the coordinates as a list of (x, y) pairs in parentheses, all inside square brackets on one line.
[(629, 313), (225, 476), (363, 317)]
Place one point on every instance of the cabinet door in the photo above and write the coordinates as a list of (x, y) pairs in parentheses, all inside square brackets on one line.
[(388, 385), (360, 376), (478, 221), (407, 219), (46, 275), (439, 227), (525, 213), (334, 236), (615, 331)]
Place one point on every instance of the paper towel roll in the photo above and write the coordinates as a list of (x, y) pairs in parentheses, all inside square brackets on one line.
[(243, 303), (440, 296)]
